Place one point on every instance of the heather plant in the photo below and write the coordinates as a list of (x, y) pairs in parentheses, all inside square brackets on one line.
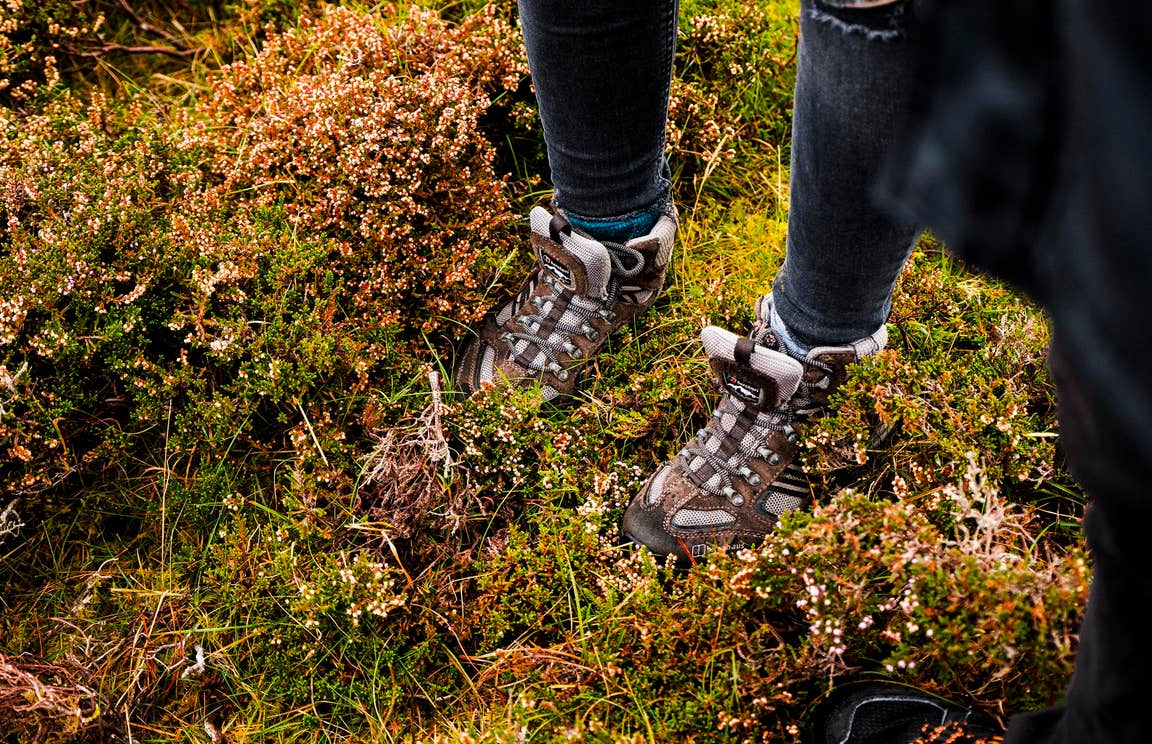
[(735, 73), (279, 240), (981, 390), (238, 499), (205, 302)]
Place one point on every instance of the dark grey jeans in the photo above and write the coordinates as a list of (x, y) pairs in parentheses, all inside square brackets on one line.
[(602, 70)]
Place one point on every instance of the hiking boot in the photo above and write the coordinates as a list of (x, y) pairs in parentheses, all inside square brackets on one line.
[(728, 487), (580, 292), (890, 713)]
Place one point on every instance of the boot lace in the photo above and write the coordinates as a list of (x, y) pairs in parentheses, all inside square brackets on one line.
[(539, 351), (730, 426)]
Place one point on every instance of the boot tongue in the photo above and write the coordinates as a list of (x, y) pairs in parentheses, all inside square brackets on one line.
[(576, 262), (757, 375)]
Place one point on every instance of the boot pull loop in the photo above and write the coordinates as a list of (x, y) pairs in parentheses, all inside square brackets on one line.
[(743, 351), (558, 225)]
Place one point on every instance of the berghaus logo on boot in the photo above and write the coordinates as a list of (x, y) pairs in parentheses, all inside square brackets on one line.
[(741, 389), (562, 273)]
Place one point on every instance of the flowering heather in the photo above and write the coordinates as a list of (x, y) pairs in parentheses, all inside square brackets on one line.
[(322, 209)]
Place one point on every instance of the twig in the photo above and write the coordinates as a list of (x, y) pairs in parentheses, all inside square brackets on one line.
[(402, 473), (109, 48), (149, 28), (438, 449), (713, 161), (312, 431), (10, 523), (27, 691)]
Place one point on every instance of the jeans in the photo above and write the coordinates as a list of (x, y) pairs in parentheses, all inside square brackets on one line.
[(602, 70), (1104, 701)]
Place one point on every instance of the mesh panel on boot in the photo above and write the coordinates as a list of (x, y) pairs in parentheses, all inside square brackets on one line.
[(721, 344), (692, 518), (778, 503), (655, 490), (590, 253)]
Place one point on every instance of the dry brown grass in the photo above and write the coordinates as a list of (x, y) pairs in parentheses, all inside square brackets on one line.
[(46, 700)]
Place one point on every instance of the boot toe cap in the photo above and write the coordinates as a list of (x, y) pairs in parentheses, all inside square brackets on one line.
[(644, 525)]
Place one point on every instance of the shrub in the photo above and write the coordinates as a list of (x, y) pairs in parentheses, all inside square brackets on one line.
[(279, 240), (208, 310), (733, 91)]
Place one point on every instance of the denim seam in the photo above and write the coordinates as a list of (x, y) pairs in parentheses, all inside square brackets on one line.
[(670, 33)]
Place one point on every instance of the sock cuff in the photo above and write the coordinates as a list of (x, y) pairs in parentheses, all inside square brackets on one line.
[(794, 347), (621, 228)]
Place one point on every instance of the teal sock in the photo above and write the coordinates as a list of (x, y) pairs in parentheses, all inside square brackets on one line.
[(616, 230)]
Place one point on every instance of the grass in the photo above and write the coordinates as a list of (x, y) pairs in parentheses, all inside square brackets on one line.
[(248, 514)]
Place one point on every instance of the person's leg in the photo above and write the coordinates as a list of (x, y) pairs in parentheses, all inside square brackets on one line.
[(1114, 659), (1085, 195), (1097, 271), (727, 488), (602, 70), (854, 79)]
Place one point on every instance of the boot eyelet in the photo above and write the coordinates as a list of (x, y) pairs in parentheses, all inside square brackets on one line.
[(737, 500), (774, 459), (562, 375), (754, 480)]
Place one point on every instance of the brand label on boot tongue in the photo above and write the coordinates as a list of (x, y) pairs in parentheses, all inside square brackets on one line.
[(562, 273), (742, 390)]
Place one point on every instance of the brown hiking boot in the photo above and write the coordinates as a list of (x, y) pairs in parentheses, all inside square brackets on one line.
[(580, 292), (728, 487)]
